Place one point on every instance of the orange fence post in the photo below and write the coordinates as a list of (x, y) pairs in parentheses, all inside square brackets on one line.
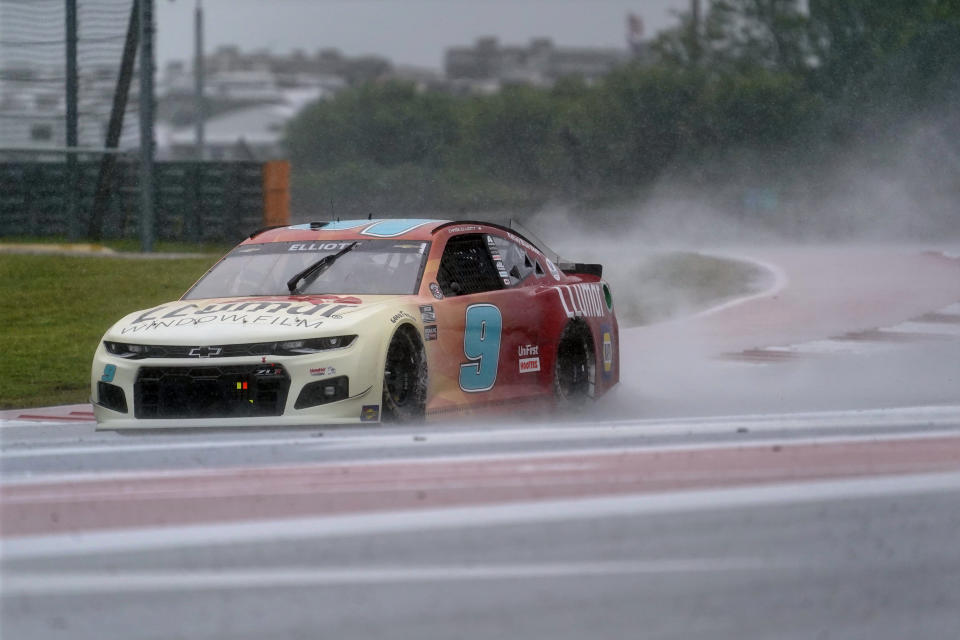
[(276, 193)]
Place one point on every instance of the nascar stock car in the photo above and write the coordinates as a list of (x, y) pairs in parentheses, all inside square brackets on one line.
[(362, 321)]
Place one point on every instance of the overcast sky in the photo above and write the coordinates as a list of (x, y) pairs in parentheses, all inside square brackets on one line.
[(413, 32)]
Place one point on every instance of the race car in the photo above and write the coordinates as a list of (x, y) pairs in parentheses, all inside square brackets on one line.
[(363, 321)]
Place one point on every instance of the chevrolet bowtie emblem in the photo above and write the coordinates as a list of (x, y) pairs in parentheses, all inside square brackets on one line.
[(205, 352)]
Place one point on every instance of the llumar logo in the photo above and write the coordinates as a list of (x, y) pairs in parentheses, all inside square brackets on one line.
[(583, 299), (309, 312)]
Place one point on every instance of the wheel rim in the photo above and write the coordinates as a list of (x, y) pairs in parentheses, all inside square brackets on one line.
[(571, 369), (400, 373)]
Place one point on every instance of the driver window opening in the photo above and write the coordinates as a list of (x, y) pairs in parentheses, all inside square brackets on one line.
[(466, 267)]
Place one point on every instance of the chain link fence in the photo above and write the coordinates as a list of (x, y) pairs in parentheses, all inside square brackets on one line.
[(69, 138), (34, 73)]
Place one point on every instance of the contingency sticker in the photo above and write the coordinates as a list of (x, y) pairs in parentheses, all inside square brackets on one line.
[(529, 365), (109, 372), (607, 352), (323, 371), (430, 332), (427, 314), (370, 413), (529, 358), (553, 269)]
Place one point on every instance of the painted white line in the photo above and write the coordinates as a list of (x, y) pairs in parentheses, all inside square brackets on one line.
[(11, 453), (468, 458), (617, 429), (831, 347), (277, 531), (84, 583), (534, 462), (931, 417), (926, 328), (8, 424)]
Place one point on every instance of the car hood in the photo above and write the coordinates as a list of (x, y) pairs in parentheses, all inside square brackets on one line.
[(241, 320)]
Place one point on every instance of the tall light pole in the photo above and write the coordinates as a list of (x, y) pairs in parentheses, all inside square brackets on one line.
[(72, 139), (695, 30), (199, 102), (146, 126)]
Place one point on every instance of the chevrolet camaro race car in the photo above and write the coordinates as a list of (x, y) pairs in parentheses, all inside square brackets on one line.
[(362, 321)]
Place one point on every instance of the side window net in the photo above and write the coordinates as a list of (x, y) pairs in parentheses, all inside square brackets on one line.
[(466, 267)]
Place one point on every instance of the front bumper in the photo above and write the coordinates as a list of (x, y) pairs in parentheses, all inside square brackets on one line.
[(152, 388)]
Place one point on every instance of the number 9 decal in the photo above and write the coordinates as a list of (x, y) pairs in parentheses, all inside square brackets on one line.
[(481, 345)]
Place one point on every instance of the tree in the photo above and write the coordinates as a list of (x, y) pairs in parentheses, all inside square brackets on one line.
[(772, 34), (883, 43), (741, 34), (387, 124)]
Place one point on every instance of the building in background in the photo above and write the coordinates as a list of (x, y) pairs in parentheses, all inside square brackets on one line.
[(250, 97), (487, 65), (33, 109)]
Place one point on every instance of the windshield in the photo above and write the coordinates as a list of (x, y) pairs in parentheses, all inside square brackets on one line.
[(370, 267)]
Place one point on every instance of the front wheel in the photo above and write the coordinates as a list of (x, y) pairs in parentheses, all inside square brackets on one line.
[(404, 378)]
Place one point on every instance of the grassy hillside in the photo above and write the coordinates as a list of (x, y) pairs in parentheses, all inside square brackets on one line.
[(56, 308)]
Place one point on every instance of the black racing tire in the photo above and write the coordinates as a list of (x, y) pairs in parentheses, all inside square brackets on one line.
[(404, 378), (575, 367)]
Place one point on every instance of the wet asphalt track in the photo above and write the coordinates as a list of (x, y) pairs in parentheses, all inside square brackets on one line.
[(825, 506)]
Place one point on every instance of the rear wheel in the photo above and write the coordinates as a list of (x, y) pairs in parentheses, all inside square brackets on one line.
[(573, 373), (404, 378)]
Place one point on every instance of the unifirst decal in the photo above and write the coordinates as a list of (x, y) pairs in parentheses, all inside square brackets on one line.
[(582, 300)]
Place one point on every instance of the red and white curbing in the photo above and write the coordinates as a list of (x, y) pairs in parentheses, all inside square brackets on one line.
[(943, 324), (59, 414)]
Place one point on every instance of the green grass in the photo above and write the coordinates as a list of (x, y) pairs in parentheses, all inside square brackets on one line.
[(671, 284), (56, 308), (128, 245)]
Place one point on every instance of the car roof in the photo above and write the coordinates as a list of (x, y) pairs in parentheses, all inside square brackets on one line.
[(405, 228), (401, 228)]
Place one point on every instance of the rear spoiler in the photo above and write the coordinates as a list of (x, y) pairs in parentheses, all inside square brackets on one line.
[(581, 268)]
